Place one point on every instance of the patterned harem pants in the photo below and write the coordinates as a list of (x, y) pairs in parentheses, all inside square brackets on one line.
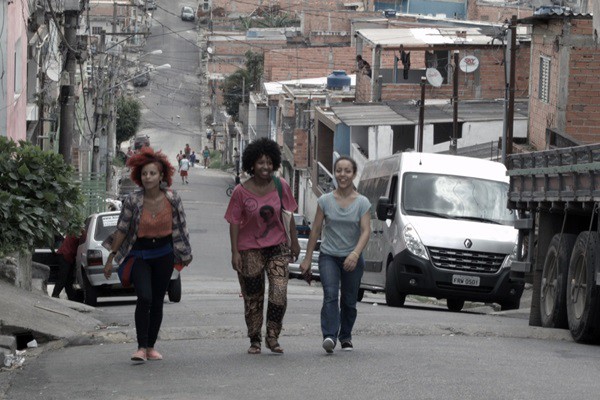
[(255, 263)]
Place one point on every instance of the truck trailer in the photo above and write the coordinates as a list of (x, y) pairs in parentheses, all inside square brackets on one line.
[(556, 194)]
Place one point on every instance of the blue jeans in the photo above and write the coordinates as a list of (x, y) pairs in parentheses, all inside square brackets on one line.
[(337, 318)]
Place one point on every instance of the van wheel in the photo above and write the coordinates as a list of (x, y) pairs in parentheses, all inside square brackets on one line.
[(175, 290), (90, 293), (583, 296), (361, 294), (393, 297), (455, 305), (553, 290)]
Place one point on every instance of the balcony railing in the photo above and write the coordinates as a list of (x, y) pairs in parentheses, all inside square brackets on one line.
[(325, 179)]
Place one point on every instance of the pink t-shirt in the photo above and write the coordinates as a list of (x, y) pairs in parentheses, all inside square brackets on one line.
[(259, 217)]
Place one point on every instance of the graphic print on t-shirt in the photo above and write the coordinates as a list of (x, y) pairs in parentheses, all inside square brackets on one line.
[(267, 213)]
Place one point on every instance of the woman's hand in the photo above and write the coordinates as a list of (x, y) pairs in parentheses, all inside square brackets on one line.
[(350, 262), (305, 265), (108, 267), (236, 261), (295, 249)]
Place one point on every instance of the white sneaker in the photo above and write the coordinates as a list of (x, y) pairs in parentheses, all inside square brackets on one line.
[(328, 345)]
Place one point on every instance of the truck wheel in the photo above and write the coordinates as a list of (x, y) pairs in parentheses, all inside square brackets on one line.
[(361, 294), (175, 290), (553, 291), (455, 305), (583, 296), (90, 293), (393, 297)]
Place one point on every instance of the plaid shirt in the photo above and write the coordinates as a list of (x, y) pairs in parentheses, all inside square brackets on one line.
[(129, 221)]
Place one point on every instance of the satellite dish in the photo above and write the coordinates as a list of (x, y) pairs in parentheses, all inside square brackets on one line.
[(434, 77), (209, 50), (469, 64)]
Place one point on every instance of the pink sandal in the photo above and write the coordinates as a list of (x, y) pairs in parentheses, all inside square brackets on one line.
[(139, 356), (152, 354)]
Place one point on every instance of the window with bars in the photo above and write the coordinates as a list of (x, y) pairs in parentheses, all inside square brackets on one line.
[(96, 30), (544, 84)]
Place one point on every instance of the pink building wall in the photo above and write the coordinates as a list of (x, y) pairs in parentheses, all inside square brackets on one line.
[(16, 49)]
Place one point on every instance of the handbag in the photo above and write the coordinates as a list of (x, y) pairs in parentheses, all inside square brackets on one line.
[(124, 270), (286, 216)]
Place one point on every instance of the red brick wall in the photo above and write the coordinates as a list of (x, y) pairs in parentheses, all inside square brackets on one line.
[(477, 11), (300, 148), (300, 63), (583, 108), (581, 117), (247, 6)]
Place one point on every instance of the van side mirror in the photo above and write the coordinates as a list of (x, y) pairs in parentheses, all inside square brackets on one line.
[(385, 210)]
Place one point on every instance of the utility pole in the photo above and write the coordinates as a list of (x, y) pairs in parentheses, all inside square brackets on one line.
[(99, 106), (111, 138), (67, 89), (511, 86), (421, 115), (453, 141)]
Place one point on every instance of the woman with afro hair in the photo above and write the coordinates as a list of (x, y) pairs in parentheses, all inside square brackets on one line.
[(259, 241), (151, 238)]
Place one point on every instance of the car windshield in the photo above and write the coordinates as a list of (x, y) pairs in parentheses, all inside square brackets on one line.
[(187, 10), (456, 197), (106, 225)]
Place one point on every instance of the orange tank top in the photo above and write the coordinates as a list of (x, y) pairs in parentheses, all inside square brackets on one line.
[(156, 225)]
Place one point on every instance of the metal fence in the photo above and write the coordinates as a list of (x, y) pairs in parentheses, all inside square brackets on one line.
[(93, 189)]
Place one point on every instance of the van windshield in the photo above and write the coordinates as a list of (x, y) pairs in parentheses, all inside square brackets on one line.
[(456, 197)]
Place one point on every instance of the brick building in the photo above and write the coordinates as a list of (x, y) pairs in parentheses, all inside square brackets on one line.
[(494, 11), (311, 62), (565, 80)]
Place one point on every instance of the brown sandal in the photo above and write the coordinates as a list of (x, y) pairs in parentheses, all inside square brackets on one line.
[(274, 346), (254, 348)]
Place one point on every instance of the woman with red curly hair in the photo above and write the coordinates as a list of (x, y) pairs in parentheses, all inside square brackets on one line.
[(151, 238)]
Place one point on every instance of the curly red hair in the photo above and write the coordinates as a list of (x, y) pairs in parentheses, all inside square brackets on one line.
[(145, 156)]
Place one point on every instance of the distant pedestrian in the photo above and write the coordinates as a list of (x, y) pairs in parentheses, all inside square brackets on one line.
[(184, 166), (345, 235), (236, 160), (193, 158), (151, 238), (187, 150), (179, 156), (66, 272), (206, 156)]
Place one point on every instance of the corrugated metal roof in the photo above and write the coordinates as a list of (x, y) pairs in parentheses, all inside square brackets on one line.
[(425, 37), (405, 113), (369, 115)]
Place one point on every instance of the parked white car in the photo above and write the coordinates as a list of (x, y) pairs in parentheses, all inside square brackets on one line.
[(91, 257)]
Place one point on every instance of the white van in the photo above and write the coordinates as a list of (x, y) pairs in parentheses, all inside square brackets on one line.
[(440, 227)]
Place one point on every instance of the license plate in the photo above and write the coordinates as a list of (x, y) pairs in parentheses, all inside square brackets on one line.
[(465, 280)]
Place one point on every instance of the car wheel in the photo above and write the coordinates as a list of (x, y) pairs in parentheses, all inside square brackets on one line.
[(174, 290), (553, 291), (90, 293), (361, 294), (393, 297), (583, 296), (455, 305)]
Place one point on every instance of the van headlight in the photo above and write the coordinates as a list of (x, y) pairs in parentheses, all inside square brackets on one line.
[(413, 242), (511, 257)]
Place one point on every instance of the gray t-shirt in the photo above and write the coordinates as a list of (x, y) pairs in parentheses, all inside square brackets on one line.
[(341, 229)]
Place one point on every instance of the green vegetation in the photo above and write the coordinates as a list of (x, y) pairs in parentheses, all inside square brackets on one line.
[(38, 197), (128, 118), (237, 86)]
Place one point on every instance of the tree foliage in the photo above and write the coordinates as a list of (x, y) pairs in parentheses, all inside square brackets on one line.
[(38, 197), (128, 118), (237, 86)]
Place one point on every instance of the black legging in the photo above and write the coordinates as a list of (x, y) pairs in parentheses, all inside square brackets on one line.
[(150, 279)]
